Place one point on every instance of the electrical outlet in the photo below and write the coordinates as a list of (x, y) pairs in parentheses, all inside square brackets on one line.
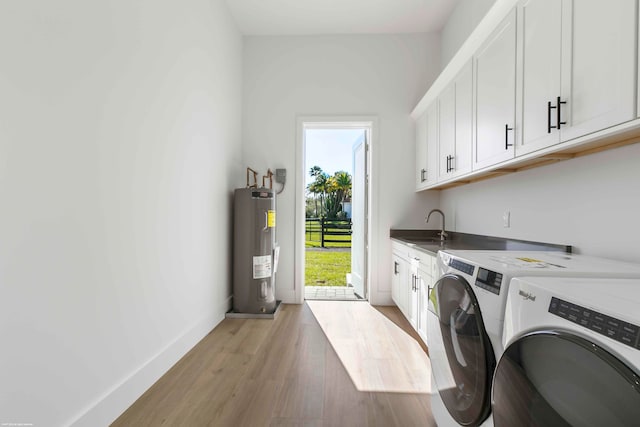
[(506, 219), (281, 176)]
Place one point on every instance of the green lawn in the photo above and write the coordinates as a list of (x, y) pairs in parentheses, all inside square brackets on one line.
[(326, 268)]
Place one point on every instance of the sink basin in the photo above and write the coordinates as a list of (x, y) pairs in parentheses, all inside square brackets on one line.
[(431, 244), (423, 241), (428, 240)]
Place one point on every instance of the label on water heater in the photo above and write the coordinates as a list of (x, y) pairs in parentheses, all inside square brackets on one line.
[(261, 266), (271, 218)]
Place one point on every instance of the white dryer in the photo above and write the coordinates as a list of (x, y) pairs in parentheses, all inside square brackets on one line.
[(466, 316), (572, 355)]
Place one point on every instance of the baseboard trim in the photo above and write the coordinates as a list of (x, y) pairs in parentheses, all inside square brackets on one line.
[(287, 297), (381, 298), (116, 400)]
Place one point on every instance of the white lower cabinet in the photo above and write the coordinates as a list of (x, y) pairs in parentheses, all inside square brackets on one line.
[(414, 295), (411, 281), (400, 277), (425, 283)]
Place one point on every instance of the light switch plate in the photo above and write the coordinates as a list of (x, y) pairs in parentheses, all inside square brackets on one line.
[(506, 219)]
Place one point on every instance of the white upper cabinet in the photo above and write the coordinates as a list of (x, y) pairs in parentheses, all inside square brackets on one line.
[(426, 147), (421, 152), (598, 65), (576, 69), (548, 80), (433, 136), (539, 58), (495, 93), (455, 131), (447, 140)]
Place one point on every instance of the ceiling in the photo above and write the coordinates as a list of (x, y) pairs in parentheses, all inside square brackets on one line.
[(306, 17)]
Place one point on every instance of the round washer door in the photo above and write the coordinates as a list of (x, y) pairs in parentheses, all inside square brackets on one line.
[(556, 378), (464, 362)]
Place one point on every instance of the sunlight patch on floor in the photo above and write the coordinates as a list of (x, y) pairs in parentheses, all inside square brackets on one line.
[(377, 354)]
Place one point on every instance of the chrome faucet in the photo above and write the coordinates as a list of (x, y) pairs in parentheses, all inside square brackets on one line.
[(443, 234)]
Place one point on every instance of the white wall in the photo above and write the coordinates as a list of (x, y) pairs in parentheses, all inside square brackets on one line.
[(373, 75), (463, 20), (591, 203), (120, 126)]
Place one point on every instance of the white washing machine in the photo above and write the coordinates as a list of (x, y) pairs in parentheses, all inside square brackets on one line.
[(572, 356), (466, 316)]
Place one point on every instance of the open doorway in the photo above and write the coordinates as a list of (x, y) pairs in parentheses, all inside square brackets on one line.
[(335, 196)]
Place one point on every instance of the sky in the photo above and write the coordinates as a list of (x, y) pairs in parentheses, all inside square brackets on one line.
[(330, 149)]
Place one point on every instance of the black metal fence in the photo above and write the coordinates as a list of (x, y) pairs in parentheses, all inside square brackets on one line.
[(329, 232)]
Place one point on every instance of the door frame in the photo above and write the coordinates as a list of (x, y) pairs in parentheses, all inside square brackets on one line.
[(370, 124)]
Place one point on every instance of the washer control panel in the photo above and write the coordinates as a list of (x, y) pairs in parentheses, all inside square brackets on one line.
[(489, 280), (461, 266), (624, 332)]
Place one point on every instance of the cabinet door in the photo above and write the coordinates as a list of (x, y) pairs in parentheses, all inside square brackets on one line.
[(425, 281), (421, 152), (539, 33), (495, 74), (455, 116), (412, 314), (395, 279), (447, 136), (461, 163), (426, 147), (412, 307), (433, 136), (598, 65), (400, 276), (404, 280)]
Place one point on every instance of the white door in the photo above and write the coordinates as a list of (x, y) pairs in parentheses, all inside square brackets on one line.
[(359, 218), (495, 90), (599, 65), (539, 26)]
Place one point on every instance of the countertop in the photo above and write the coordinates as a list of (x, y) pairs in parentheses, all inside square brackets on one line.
[(429, 241)]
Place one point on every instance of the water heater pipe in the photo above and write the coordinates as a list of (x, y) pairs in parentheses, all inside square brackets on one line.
[(255, 178), (270, 176)]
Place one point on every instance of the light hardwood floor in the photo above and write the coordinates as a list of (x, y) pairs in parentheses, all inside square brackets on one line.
[(280, 372), (377, 354)]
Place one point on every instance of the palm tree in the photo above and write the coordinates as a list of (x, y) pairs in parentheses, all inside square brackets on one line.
[(322, 183), (343, 183), (314, 190), (315, 171), (338, 188), (332, 190), (318, 186)]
